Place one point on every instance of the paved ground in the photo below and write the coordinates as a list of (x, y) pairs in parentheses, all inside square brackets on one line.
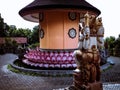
[(14, 81)]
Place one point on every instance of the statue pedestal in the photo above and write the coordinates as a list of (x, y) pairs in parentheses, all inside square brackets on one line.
[(78, 83), (96, 86)]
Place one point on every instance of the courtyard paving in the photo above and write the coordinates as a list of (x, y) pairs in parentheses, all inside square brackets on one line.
[(13, 81)]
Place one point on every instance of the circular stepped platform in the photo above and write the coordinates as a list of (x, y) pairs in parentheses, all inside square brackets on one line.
[(43, 71)]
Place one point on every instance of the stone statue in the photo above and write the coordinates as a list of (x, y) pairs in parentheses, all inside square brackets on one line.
[(86, 32), (77, 54), (87, 57), (92, 25), (100, 33), (88, 63), (81, 37)]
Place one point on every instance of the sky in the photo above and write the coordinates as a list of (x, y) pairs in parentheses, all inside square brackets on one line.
[(109, 12)]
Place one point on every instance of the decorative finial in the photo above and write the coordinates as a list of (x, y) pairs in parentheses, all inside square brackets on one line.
[(87, 17)]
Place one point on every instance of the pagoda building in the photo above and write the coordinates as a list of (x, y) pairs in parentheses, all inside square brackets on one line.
[(59, 22)]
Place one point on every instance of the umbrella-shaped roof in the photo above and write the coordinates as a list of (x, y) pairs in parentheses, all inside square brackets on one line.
[(37, 5)]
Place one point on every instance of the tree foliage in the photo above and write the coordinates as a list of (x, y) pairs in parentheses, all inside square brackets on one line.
[(111, 41), (113, 45), (3, 27), (35, 35), (13, 31)]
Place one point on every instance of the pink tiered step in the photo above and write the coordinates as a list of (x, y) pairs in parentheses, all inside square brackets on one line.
[(50, 59)]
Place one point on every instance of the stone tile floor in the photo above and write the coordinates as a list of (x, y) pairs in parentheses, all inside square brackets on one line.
[(14, 81)]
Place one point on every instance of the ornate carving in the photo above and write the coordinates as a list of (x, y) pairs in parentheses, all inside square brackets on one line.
[(87, 19), (88, 58), (41, 16), (42, 33), (100, 33), (88, 64), (72, 16), (92, 24), (81, 39), (72, 33), (91, 29), (85, 33)]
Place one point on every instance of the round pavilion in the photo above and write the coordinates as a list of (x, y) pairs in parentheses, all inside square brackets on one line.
[(59, 29)]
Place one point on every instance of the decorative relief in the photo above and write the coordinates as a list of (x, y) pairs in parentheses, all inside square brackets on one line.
[(41, 16), (42, 33), (72, 33), (72, 16)]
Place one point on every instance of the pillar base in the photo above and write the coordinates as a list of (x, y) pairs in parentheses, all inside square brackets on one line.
[(95, 86), (78, 84)]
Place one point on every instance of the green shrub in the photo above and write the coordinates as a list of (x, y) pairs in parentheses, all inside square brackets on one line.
[(34, 45)]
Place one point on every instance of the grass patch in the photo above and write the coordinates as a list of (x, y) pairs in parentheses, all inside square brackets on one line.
[(36, 73), (12, 69), (107, 68), (22, 72), (19, 63)]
